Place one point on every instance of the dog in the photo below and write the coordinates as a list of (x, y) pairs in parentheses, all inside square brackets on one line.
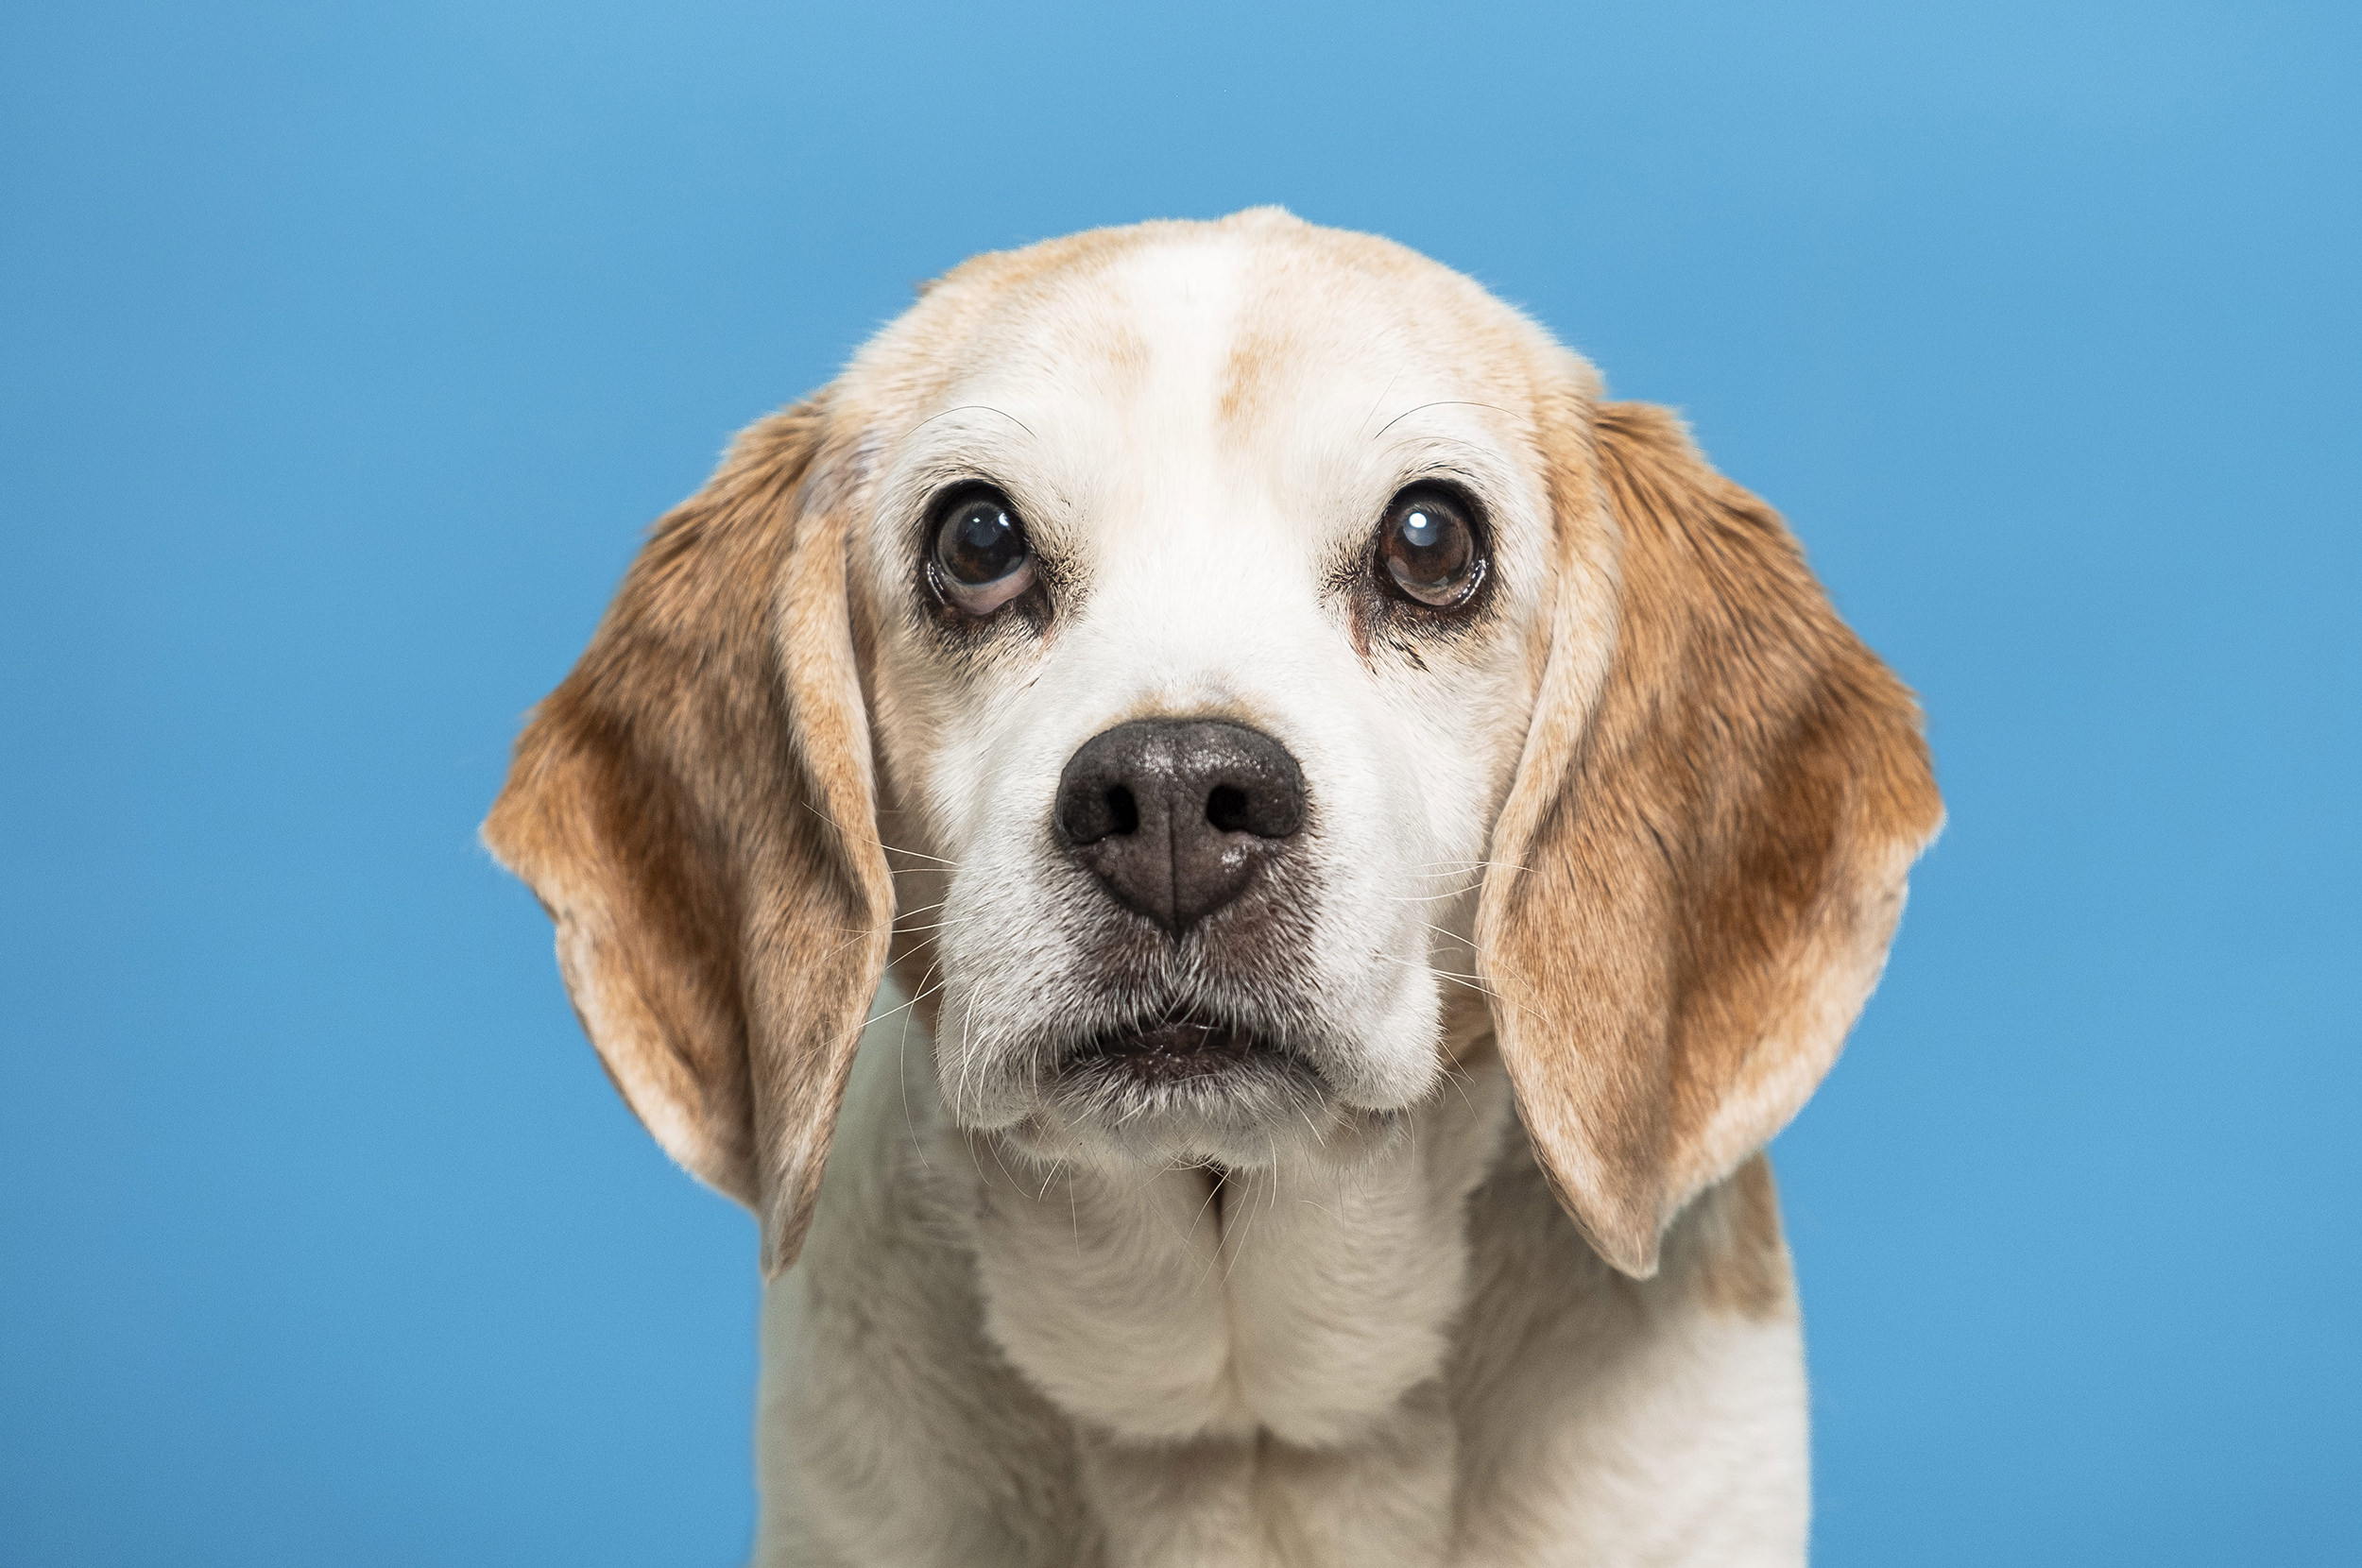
[(1299, 854)]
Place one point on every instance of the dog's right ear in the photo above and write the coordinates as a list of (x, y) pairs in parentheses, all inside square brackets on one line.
[(694, 807)]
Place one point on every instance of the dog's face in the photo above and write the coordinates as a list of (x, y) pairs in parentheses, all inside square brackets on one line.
[(1231, 669), (1207, 577)]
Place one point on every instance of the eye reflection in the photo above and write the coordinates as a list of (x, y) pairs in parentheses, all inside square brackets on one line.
[(1429, 547)]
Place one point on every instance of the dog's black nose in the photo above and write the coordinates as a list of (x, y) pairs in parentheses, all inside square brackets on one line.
[(1177, 815)]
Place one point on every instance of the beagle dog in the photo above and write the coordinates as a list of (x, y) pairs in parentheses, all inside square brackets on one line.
[(1238, 868)]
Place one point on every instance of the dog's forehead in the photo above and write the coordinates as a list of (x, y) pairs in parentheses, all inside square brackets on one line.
[(1256, 329)]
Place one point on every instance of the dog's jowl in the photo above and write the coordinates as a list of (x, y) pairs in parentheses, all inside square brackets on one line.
[(1238, 867)]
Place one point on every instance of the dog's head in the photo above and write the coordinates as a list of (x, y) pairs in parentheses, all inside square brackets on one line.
[(1231, 671)]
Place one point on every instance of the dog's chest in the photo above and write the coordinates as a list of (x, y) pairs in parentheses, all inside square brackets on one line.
[(1301, 1304)]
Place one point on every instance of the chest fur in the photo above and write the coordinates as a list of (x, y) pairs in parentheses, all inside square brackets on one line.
[(1399, 1355), (1303, 1301)]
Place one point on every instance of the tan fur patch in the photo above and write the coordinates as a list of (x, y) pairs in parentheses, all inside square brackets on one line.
[(1709, 861), (692, 806), (1250, 381)]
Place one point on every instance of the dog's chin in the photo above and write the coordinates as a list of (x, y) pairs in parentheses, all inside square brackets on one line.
[(1193, 1092)]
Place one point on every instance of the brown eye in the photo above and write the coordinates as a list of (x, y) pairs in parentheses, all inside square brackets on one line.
[(1429, 547), (982, 560)]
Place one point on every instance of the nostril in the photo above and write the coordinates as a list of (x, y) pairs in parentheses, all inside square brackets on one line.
[(1091, 811), (1227, 809), (1123, 813)]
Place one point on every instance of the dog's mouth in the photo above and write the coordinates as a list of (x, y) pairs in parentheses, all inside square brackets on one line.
[(1196, 1050), (1189, 1085), (1193, 1047)]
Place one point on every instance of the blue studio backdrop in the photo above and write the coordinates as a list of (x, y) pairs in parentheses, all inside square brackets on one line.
[(348, 349)]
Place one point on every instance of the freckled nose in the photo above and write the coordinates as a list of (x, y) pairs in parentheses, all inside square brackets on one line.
[(1176, 817)]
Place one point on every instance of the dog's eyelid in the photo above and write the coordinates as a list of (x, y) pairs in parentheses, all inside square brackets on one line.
[(1488, 483), (917, 503)]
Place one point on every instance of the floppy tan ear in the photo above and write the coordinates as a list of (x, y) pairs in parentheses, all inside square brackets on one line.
[(694, 807), (1701, 859)]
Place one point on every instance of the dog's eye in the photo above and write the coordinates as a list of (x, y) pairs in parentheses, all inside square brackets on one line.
[(1429, 547), (982, 560)]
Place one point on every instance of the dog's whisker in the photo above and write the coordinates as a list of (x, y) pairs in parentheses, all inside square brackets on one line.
[(1439, 402), (904, 911), (938, 924), (909, 1010), (873, 838)]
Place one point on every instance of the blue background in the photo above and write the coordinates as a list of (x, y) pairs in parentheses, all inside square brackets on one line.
[(349, 348)]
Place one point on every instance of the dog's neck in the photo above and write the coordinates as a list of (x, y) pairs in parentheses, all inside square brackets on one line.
[(1305, 1300)]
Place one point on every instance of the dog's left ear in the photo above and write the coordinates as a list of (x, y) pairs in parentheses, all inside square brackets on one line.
[(1701, 862), (695, 807)]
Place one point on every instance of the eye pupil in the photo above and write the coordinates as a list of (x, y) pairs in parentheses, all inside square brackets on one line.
[(1429, 549)]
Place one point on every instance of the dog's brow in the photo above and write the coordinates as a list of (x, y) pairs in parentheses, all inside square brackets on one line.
[(1440, 402), (963, 408)]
